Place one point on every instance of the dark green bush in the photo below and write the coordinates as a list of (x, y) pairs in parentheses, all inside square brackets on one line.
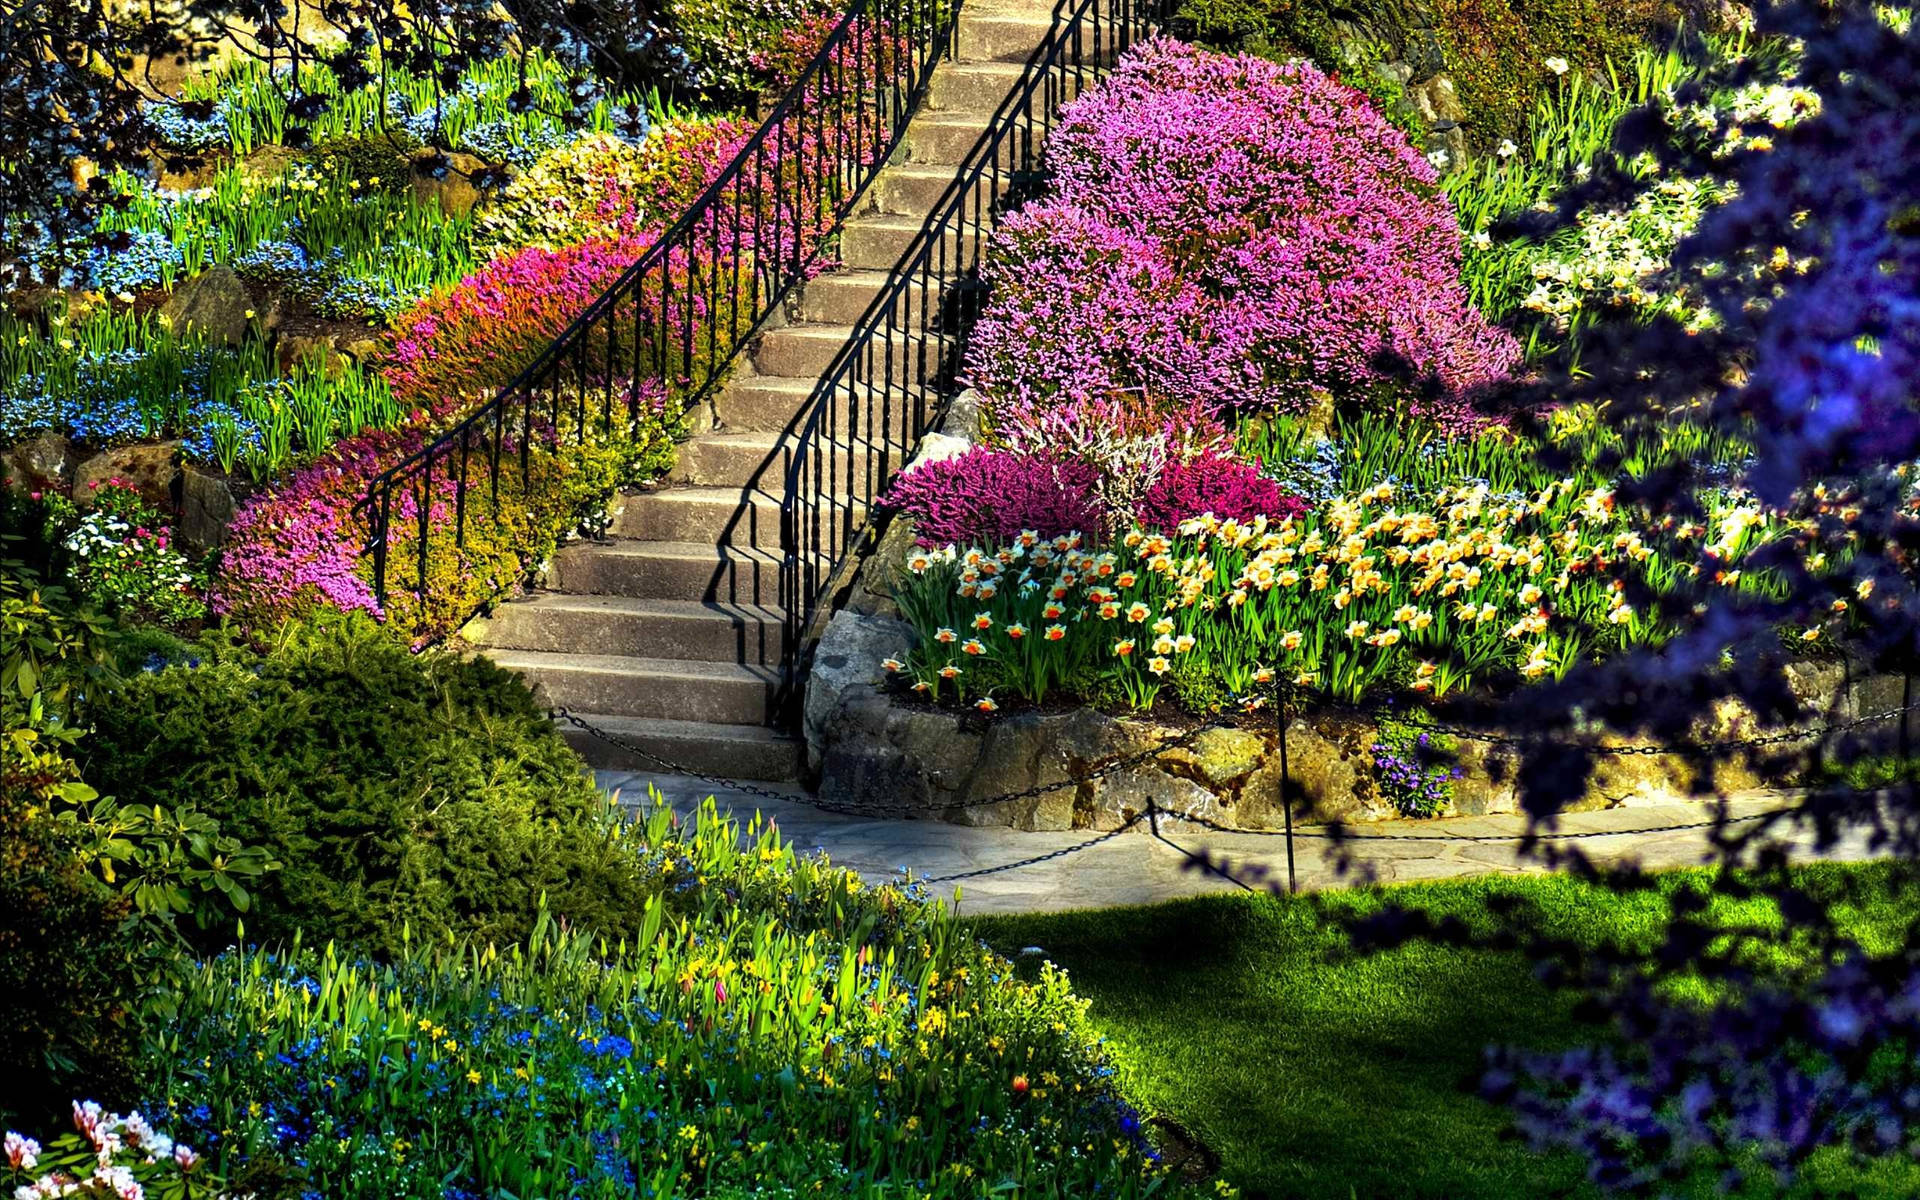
[(67, 970), (399, 791), (380, 160), (1495, 50)]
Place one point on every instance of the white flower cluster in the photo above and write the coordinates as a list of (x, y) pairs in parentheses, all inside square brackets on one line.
[(1620, 257), (123, 1149), (103, 541)]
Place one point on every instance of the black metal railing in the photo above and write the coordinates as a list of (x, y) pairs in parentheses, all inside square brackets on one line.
[(891, 382), (663, 335)]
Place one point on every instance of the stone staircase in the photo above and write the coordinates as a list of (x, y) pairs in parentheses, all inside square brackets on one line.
[(669, 633)]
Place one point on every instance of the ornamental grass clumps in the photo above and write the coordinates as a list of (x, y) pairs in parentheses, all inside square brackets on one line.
[(1237, 232)]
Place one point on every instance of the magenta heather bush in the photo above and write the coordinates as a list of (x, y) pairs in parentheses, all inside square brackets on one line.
[(1226, 487), (298, 547), (480, 333), (990, 496), (1235, 231)]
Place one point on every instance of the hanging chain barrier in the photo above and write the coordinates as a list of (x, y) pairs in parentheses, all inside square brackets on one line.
[(1155, 812)]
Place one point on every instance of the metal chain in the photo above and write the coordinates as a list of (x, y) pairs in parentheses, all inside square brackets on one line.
[(1040, 858), (1752, 743), (720, 781)]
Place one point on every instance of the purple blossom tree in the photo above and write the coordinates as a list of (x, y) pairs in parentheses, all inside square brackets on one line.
[(1814, 272)]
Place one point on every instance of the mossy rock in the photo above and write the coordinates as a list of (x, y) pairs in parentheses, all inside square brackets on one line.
[(1495, 51)]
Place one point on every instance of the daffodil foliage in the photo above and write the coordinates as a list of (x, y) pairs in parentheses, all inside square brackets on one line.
[(1371, 591)]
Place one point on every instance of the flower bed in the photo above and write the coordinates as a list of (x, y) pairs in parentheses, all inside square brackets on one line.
[(777, 1027), (1229, 231)]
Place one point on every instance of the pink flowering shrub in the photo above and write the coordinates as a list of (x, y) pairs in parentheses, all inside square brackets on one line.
[(479, 334), (1233, 231), (1226, 487), (990, 496), (1126, 437), (299, 548)]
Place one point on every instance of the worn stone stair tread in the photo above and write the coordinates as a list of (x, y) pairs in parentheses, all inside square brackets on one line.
[(633, 666), (769, 441), (754, 753), (732, 614), (703, 551), (682, 628), (708, 610)]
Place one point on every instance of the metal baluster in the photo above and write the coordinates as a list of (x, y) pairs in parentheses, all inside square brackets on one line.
[(460, 490)]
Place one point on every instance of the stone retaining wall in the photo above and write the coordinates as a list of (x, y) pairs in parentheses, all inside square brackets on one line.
[(868, 747), (205, 499)]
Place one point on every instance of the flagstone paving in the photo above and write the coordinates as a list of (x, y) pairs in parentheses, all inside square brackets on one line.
[(1137, 867)]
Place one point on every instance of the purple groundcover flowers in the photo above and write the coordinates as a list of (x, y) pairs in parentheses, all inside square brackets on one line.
[(1235, 231)]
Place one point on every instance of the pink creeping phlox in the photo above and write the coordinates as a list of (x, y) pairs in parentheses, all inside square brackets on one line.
[(1229, 230)]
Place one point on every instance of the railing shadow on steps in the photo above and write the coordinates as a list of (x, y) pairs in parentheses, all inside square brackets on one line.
[(667, 330), (892, 380)]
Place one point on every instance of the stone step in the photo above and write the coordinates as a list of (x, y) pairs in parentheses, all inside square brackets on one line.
[(915, 189), (806, 351), (1000, 36), (746, 752), (689, 571), (878, 243), (976, 87), (846, 296), (947, 139), (775, 405), (709, 631), (619, 685), (714, 515), (762, 460)]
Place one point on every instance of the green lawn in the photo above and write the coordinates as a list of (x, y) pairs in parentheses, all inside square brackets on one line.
[(1314, 1072)]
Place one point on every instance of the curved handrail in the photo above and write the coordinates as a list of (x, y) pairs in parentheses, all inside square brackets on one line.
[(891, 381), (783, 181)]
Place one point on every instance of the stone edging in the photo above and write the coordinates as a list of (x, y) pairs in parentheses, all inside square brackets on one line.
[(866, 747)]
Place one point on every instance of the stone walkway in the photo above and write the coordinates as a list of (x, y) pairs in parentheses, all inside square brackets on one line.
[(1137, 868)]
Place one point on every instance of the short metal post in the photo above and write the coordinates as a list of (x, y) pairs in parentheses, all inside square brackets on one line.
[(1153, 816), (1286, 799)]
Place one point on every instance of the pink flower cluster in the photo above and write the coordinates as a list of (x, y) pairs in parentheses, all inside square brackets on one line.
[(992, 496), (1235, 231), (109, 1155), (493, 323), (1229, 488), (298, 547)]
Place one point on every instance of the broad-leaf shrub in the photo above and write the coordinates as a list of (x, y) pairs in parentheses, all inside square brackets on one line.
[(991, 495), (67, 969), (399, 791), (106, 1154), (1234, 231)]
